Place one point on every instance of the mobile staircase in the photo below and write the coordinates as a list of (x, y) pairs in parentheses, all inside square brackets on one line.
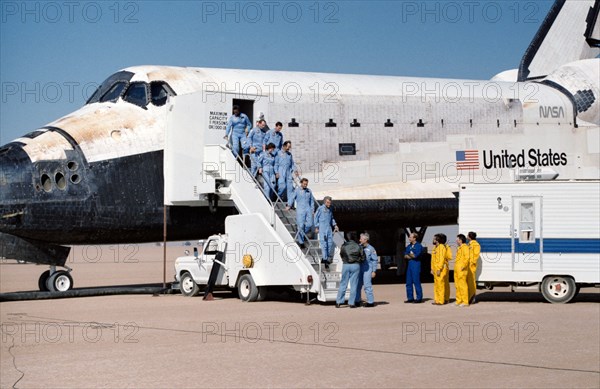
[(233, 181)]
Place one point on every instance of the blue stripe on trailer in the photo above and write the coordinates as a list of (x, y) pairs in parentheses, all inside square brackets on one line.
[(495, 245), (533, 247), (550, 245), (583, 246)]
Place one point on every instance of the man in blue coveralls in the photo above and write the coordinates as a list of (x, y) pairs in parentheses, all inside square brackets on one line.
[(305, 204), (368, 269), (256, 137), (352, 256), (324, 222), (238, 125), (284, 169), (413, 272), (267, 169), (274, 136)]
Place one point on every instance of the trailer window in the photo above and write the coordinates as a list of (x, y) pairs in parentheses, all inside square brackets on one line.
[(527, 223)]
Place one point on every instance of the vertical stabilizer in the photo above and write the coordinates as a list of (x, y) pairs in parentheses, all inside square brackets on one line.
[(570, 32)]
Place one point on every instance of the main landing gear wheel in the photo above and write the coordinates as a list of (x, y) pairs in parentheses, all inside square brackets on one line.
[(558, 289), (61, 281)]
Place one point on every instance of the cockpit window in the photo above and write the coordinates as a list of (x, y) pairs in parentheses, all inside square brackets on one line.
[(136, 94), (159, 93), (114, 92), (95, 96), (122, 76)]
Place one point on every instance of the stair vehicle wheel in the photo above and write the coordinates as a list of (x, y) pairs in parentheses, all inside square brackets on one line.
[(42, 281), (247, 289), (61, 281), (188, 286), (559, 289)]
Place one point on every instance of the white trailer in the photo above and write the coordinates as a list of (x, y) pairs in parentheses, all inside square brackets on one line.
[(544, 234)]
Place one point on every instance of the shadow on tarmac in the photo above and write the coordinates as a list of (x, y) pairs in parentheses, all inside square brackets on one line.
[(532, 297)]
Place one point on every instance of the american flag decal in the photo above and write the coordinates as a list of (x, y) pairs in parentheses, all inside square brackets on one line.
[(467, 160)]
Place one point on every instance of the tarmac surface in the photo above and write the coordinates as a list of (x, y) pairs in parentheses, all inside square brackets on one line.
[(505, 340)]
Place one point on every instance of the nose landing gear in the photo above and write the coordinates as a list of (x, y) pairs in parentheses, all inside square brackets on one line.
[(56, 280)]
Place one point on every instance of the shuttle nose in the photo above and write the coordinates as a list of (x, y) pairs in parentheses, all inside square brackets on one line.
[(15, 173), (16, 185)]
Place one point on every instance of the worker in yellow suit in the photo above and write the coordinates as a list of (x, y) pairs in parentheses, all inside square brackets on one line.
[(447, 276), (474, 250), (439, 269), (461, 270)]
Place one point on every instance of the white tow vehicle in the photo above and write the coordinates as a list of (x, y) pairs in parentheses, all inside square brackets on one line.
[(253, 257)]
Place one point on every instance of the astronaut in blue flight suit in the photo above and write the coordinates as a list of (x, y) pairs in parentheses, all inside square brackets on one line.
[(324, 222), (267, 169), (256, 137), (238, 126), (413, 271), (274, 136), (368, 269), (305, 204), (285, 168)]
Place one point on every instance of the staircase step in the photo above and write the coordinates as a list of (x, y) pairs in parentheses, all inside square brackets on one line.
[(331, 295), (315, 260), (288, 219), (331, 286), (331, 273)]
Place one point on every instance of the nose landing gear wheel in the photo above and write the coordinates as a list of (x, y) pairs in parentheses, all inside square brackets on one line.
[(61, 281), (42, 281)]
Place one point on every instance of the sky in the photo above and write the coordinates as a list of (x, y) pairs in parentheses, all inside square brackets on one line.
[(54, 53)]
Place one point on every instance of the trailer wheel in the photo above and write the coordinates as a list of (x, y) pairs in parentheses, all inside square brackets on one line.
[(558, 289), (247, 289), (188, 286)]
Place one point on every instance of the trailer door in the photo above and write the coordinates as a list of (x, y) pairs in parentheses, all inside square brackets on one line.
[(527, 242)]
